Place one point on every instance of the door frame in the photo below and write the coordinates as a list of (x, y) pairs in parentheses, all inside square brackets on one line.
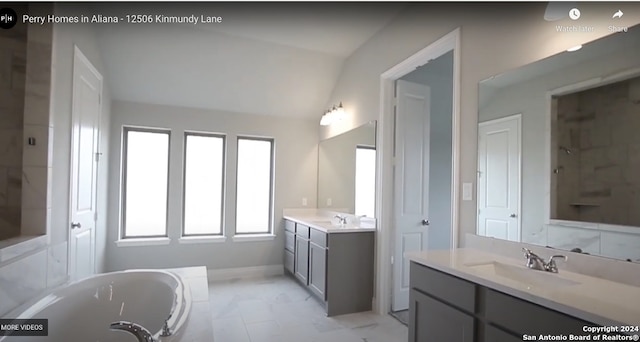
[(384, 182), (79, 57), (518, 118)]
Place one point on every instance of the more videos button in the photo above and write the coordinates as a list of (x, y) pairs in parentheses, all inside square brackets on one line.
[(24, 327)]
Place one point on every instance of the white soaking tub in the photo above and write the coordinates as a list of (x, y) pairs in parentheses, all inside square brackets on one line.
[(83, 310)]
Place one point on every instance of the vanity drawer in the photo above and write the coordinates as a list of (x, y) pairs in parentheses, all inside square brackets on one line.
[(289, 241), (302, 230), (531, 319), (290, 226), (445, 287), (319, 238)]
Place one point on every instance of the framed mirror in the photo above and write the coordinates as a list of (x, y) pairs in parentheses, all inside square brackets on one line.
[(347, 171), (559, 152)]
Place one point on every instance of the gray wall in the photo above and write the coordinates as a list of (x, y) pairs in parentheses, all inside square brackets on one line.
[(296, 157), (487, 47), (438, 75)]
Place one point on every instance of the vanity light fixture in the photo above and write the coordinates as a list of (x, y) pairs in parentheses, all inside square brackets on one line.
[(335, 114), (575, 48), (326, 119)]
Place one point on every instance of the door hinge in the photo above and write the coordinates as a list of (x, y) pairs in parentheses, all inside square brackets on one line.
[(98, 154), (392, 260), (95, 216)]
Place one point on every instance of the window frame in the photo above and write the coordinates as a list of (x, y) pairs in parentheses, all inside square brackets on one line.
[(123, 195), (270, 230), (223, 180)]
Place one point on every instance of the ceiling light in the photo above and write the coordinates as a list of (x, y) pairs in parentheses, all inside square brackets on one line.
[(575, 48)]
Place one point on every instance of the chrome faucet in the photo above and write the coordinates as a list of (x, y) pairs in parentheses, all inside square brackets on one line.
[(537, 263), (135, 329), (343, 219)]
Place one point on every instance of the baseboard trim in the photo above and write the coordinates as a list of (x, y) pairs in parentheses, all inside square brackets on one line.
[(244, 272)]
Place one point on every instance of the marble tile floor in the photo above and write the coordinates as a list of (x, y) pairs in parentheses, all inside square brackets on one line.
[(278, 309)]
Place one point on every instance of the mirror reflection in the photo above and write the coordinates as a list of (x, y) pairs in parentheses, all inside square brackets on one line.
[(347, 171), (558, 152)]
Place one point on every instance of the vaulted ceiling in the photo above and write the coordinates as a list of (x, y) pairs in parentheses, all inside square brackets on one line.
[(271, 59)]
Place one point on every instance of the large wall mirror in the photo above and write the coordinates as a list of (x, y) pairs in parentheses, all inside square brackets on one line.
[(347, 171), (559, 150)]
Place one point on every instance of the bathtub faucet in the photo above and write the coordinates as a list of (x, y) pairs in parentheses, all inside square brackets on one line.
[(135, 329)]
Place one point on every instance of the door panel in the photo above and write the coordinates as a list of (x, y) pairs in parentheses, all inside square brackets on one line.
[(499, 178), (411, 179), (86, 107)]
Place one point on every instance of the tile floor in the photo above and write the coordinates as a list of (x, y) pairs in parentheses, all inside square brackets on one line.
[(278, 309)]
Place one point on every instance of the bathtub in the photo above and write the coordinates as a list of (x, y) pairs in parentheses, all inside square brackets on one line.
[(83, 310)]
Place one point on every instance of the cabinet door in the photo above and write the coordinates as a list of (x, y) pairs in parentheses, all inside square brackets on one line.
[(302, 259), (492, 333), (289, 261), (317, 270), (433, 321)]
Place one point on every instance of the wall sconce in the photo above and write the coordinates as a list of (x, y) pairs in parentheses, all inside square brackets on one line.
[(335, 114)]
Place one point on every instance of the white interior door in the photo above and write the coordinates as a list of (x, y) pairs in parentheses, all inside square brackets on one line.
[(411, 182), (499, 178), (85, 119)]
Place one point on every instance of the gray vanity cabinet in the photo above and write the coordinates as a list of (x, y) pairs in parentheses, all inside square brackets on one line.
[(337, 268), (301, 266), (443, 307)]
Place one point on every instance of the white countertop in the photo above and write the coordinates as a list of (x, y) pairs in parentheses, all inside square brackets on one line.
[(324, 224), (592, 299)]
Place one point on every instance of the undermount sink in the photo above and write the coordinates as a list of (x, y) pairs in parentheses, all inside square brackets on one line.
[(523, 275), (332, 224)]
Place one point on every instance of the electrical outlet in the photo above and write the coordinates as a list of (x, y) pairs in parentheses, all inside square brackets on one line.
[(329, 202), (304, 201)]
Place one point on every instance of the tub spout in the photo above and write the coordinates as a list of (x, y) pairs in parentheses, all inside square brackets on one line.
[(137, 330)]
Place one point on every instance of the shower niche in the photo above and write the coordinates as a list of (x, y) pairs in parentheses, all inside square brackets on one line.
[(595, 153)]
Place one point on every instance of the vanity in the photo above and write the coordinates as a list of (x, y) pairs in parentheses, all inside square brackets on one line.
[(334, 262), (468, 294)]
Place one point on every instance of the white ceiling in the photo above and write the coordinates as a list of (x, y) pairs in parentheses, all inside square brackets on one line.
[(272, 60)]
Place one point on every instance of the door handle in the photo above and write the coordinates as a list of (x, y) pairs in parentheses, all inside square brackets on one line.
[(513, 215), (425, 222), (75, 225)]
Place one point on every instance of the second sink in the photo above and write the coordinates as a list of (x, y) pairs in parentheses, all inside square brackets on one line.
[(522, 275)]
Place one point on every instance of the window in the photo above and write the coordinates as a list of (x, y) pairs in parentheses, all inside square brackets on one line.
[(365, 181), (254, 186), (145, 182), (203, 184)]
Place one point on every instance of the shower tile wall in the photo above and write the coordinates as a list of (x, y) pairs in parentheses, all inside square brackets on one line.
[(598, 177), (13, 46)]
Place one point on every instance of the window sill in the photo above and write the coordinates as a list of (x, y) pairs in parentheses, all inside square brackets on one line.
[(253, 237), (136, 242), (202, 239)]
